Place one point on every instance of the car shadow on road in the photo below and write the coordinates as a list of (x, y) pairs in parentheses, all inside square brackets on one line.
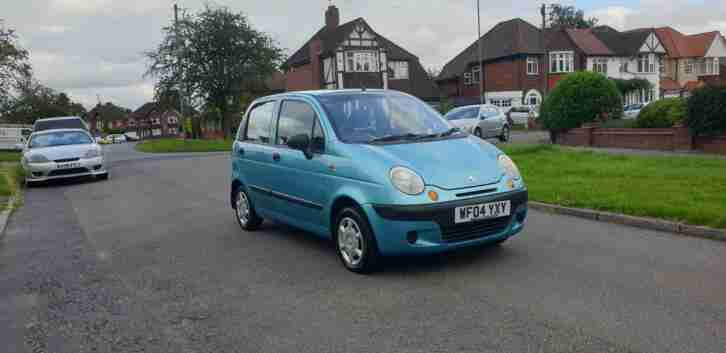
[(459, 259)]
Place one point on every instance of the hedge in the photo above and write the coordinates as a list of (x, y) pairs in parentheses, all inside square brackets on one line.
[(663, 113), (707, 111)]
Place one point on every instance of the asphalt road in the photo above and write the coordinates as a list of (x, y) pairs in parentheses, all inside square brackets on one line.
[(152, 261)]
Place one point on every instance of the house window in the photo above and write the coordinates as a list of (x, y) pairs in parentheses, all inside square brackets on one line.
[(132, 122), (562, 61), (532, 65), (688, 68), (533, 98), (398, 70), (361, 61), (172, 120), (501, 102), (467, 78), (624, 66), (600, 65), (646, 63), (476, 74)]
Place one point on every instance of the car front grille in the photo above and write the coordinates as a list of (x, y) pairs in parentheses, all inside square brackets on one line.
[(474, 230), (68, 171), (66, 160)]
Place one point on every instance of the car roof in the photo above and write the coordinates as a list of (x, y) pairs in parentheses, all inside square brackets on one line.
[(59, 118)]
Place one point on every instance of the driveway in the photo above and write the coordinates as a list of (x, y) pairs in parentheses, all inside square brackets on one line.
[(152, 260)]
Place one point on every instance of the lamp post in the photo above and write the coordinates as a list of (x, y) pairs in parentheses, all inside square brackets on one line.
[(480, 63)]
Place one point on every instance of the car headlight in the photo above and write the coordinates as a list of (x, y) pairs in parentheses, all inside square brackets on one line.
[(510, 169), (92, 153), (406, 181), (37, 158)]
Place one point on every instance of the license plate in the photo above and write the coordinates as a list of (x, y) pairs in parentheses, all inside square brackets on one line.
[(482, 211), (67, 165)]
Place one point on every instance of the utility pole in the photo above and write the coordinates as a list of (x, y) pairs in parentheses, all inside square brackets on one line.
[(480, 63), (180, 67), (545, 56)]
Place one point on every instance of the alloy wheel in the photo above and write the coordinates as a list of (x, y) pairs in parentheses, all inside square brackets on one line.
[(243, 208), (350, 242)]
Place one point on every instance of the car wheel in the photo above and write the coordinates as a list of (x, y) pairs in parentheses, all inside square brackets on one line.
[(29, 184), (355, 243), (477, 132), (504, 137), (244, 211), (500, 242), (103, 176)]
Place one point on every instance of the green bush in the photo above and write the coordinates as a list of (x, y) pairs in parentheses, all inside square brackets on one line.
[(707, 111), (662, 113), (579, 98)]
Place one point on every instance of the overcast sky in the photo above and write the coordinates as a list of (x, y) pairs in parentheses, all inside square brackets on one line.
[(91, 48)]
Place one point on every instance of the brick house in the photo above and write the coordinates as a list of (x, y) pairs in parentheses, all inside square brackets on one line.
[(690, 59), (151, 120), (353, 55), (106, 116), (635, 54), (513, 65)]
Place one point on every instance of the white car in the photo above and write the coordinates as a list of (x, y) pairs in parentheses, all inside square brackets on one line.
[(116, 138), (64, 122), (62, 153), (631, 111), (484, 121)]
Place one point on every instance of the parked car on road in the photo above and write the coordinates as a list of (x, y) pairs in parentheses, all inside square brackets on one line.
[(631, 111), (117, 138), (62, 153), (521, 114), (377, 171), (484, 121), (66, 122)]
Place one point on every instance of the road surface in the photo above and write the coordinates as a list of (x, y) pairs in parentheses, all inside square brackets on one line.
[(152, 260)]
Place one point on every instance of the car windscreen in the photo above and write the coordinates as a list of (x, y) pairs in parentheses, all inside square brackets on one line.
[(364, 117), (43, 125), (59, 138), (464, 113)]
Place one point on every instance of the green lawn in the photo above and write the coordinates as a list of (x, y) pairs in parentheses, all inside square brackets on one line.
[(177, 145), (9, 156), (687, 189)]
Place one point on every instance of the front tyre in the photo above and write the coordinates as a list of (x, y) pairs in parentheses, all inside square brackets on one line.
[(355, 243), (477, 132), (244, 211)]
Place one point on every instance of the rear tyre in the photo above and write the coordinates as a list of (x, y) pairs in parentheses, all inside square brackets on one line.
[(355, 242), (477, 132), (504, 137), (500, 242), (244, 211)]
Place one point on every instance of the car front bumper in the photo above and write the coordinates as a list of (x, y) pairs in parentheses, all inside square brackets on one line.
[(430, 228), (38, 172)]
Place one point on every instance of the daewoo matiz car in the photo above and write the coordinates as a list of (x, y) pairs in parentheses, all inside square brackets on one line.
[(377, 171)]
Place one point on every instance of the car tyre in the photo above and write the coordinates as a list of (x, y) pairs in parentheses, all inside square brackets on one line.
[(103, 176), (244, 211), (355, 242), (505, 136), (477, 132)]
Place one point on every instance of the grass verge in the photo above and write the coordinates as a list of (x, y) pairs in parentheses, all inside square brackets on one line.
[(686, 189), (178, 145)]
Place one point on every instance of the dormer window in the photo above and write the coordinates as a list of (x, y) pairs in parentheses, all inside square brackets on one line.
[(361, 61)]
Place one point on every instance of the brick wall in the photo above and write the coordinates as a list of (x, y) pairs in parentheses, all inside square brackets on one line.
[(676, 138), (300, 79)]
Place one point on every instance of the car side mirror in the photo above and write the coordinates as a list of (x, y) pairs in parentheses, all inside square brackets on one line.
[(301, 142)]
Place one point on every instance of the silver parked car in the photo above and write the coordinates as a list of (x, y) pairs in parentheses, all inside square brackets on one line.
[(484, 121), (63, 122), (62, 153), (521, 114), (631, 111)]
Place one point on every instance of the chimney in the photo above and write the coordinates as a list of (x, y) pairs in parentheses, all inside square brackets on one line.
[(332, 18)]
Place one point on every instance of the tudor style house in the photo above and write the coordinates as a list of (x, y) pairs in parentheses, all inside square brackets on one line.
[(635, 54), (690, 60), (513, 68), (353, 55)]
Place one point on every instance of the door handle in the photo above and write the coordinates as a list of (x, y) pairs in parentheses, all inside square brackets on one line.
[(276, 157)]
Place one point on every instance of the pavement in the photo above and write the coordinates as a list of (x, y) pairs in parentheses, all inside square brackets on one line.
[(153, 261)]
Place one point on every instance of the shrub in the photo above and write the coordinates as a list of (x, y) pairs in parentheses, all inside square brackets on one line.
[(662, 113), (707, 111), (579, 98)]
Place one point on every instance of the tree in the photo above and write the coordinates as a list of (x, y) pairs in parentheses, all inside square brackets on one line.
[(707, 111), (220, 52), (36, 101), (662, 113), (569, 16), (14, 66), (579, 98)]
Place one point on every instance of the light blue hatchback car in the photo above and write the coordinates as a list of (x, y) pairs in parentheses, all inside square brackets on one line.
[(377, 171)]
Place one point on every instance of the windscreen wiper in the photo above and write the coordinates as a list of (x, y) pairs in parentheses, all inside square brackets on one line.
[(391, 138), (448, 132)]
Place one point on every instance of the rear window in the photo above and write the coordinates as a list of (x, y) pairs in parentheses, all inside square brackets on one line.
[(59, 124)]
